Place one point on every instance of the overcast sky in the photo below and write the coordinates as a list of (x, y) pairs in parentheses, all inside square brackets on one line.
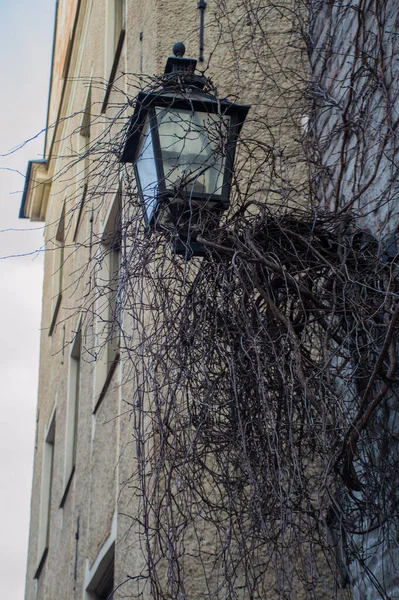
[(26, 32)]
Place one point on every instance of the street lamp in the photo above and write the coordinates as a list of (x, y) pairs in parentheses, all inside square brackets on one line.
[(182, 141)]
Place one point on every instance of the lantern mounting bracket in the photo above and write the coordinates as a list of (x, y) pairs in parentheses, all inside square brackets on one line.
[(201, 7)]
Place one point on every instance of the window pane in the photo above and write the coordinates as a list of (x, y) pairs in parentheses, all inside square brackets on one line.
[(193, 148), (146, 168)]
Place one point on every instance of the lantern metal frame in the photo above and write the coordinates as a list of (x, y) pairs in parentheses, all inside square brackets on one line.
[(182, 90)]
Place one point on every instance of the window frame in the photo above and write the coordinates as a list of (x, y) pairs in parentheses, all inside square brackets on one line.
[(72, 410), (115, 37), (98, 576), (107, 338), (84, 143), (58, 269), (46, 495)]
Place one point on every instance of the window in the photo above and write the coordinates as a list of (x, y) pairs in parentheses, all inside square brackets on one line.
[(107, 328), (105, 586), (119, 23), (115, 30), (84, 134), (101, 577), (72, 411), (46, 495), (58, 249), (67, 59), (84, 154), (115, 35)]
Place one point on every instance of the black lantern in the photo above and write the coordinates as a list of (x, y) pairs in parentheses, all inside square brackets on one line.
[(181, 141)]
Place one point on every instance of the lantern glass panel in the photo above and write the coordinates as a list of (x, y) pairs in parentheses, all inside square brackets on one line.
[(146, 170), (193, 146)]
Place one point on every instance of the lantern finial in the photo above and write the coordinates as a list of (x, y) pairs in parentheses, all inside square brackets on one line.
[(178, 67), (179, 49)]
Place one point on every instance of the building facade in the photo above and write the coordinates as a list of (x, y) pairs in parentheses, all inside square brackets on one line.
[(109, 498)]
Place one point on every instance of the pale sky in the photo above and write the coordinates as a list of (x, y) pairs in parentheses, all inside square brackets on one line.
[(26, 32)]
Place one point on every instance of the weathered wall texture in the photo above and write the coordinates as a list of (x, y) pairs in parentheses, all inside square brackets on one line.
[(354, 67)]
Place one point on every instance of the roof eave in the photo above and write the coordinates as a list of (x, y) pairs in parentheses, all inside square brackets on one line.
[(36, 191)]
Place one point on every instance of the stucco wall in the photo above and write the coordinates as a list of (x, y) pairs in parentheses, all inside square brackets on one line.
[(354, 68)]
